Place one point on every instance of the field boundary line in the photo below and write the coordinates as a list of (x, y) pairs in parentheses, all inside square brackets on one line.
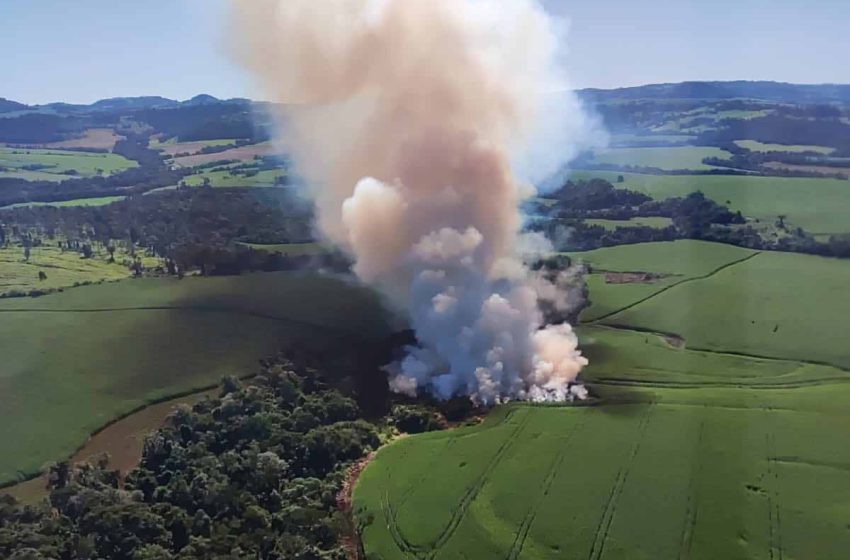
[(528, 521), (673, 285), (597, 549)]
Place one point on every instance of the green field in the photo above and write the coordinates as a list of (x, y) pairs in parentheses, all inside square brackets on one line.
[(60, 162), (682, 157), (672, 261), (63, 269), (228, 179), (97, 201), (653, 222), (816, 205), (780, 305), (727, 443), (97, 352), (653, 474), (756, 146)]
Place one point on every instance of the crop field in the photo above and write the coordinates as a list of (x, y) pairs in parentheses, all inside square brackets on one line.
[(653, 473), (757, 146), (708, 427), (668, 158), (779, 305), (60, 163), (816, 205), (669, 263), (652, 221), (97, 352), (97, 201)]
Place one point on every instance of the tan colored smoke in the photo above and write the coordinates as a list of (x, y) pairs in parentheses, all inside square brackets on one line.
[(407, 118)]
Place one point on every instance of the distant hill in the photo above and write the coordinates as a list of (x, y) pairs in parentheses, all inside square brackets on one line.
[(765, 91), (7, 106)]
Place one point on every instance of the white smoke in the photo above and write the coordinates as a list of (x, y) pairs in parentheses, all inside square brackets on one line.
[(420, 125)]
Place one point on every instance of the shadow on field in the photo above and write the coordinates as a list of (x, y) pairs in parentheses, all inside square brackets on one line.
[(621, 401)]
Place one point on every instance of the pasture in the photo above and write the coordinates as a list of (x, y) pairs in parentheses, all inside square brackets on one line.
[(816, 205), (63, 269), (63, 164), (667, 158), (74, 361), (230, 179)]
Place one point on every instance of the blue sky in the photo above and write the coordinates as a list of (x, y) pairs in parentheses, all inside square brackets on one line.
[(83, 50)]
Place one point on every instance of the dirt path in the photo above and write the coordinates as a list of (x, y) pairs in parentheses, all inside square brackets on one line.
[(122, 440)]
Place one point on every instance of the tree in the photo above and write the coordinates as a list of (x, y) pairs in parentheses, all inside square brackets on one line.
[(27, 253)]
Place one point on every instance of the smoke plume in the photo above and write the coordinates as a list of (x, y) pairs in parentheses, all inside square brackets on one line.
[(420, 126)]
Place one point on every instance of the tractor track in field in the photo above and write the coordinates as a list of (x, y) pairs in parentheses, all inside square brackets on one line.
[(774, 516), (528, 521), (671, 286), (692, 509), (427, 552), (597, 549)]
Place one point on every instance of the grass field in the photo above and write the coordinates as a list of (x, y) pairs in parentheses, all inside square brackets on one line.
[(225, 179), (682, 157), (97, 201), (653, 222), (816, 205), (756, 146), (97, 352), (60, 162), (63, 269)]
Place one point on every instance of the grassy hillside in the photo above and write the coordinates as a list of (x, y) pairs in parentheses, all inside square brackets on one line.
[(96, 352), (816, 205)]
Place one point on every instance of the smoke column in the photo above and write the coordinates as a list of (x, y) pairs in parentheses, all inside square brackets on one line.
[(419, 125)]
